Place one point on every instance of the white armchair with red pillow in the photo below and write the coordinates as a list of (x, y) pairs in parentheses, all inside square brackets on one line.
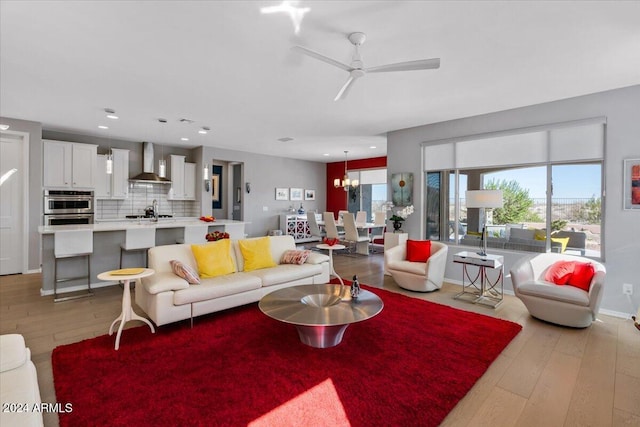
[(561, 289), (417, 265)]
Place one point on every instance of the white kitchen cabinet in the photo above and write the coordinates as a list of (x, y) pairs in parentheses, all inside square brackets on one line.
[(69, 165), (190, 181), (116, 184), (183, 178)]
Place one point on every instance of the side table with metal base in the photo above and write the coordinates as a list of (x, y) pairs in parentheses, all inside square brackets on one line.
[(127, 313), (481, 289), (331, 248)]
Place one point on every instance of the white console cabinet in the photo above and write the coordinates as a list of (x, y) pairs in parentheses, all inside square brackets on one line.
[(298, 227), (69, 165)]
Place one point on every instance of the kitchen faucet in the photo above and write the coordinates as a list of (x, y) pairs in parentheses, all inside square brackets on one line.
[(154, 205)]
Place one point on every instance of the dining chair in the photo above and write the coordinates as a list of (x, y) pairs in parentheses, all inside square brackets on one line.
[(341, 215), (330, 226), (351, 234), (361, 217), (314, 228)]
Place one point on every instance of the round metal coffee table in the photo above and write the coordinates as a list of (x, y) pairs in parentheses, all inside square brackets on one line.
[(320, 313)]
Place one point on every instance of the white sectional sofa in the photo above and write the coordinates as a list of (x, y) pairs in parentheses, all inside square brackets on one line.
[(167, 298), (19, 391)]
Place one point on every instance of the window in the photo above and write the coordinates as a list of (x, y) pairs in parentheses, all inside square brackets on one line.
[(551, 180), (371, 194)]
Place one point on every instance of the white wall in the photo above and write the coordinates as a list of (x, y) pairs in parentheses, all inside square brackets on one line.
[(265, 173), (621, 234)]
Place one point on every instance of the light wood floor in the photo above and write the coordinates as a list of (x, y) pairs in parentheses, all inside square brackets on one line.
[(547, 376)]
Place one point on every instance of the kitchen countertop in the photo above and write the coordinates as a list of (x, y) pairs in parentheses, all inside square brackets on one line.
[(124, 224)]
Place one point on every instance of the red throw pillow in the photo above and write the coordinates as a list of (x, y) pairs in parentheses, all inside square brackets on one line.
[(583, 272), (560, 272), (418, 250)]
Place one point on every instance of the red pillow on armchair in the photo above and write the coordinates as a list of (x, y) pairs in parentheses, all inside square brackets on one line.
[(560, 272), (418, 250), (583, 272)]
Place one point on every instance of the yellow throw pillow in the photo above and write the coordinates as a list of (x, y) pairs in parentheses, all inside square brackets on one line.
[(564, 241), (540, 235), (256, 253), (214, 258)]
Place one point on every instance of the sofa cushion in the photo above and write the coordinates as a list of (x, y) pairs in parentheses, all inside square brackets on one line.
[(286, 273), (521, 233), (419, 268), (559, 272), (295, 257), (184, 271), (542, 289), (214, 258), (317, 258), (583, 272), (163, 282), (418, 250), (14, 352), (256, 253), (217, 287)]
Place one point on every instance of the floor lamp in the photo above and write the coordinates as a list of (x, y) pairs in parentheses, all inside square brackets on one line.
[(486, 199)]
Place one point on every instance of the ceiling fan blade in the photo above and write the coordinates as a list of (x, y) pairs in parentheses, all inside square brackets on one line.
[(421, 64), (345, 89), (321, 57)]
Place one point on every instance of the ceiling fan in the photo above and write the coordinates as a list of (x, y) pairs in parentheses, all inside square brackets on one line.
[(357, 69)]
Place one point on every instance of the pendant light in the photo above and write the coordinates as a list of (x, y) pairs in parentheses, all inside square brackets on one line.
[(345, 182), (109, 162), (162, 163)]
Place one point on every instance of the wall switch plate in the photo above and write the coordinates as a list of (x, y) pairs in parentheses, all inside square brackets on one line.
[(627, 288)]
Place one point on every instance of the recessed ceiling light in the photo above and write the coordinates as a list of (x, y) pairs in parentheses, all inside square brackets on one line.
[(285, 139), (184, 139), (111, 113), (373, 146), (204, 130), (189, 121), (103, 127), (4, 127), (325, 154)]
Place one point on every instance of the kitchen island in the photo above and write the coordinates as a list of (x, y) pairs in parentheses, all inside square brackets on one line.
[(108, 235)]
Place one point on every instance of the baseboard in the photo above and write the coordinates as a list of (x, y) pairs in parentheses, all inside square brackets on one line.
[(619, 314), (77, 288), (34, 271)]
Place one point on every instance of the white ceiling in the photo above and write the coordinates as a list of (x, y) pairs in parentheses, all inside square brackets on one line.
[(226, 66)]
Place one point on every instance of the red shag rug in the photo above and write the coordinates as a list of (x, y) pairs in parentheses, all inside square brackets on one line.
[(409, 365)]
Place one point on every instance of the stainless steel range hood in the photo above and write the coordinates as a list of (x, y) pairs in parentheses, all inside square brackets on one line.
[(148, 175)]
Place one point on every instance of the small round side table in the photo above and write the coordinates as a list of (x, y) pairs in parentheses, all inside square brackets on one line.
[(332, 248), (127, 311)]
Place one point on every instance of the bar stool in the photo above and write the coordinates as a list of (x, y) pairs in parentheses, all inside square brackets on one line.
[(138, 239), (72, 244)]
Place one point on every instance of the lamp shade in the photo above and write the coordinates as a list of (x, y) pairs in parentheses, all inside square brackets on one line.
[(484, 198)]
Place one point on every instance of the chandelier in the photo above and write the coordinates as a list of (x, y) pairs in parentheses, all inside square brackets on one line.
[(345, 182)]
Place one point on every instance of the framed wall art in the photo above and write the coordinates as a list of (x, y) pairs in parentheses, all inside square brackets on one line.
[(295, 193), (309, 194), (402, 189), (282, 194), (631, 184), (216, 187)]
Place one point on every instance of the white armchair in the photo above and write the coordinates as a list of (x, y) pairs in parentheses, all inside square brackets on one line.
[(417, 276), (564, 305)]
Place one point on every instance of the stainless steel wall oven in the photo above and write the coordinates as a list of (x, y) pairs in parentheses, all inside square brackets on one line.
[(63, 207)]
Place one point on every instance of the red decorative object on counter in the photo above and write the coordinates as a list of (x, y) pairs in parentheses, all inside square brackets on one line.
[(216, 235)]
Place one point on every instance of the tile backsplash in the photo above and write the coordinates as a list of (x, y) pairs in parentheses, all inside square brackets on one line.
[(142, 195)]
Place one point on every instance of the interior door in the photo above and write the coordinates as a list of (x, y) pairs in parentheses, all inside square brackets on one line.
[(11, 204), (237, 192)]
